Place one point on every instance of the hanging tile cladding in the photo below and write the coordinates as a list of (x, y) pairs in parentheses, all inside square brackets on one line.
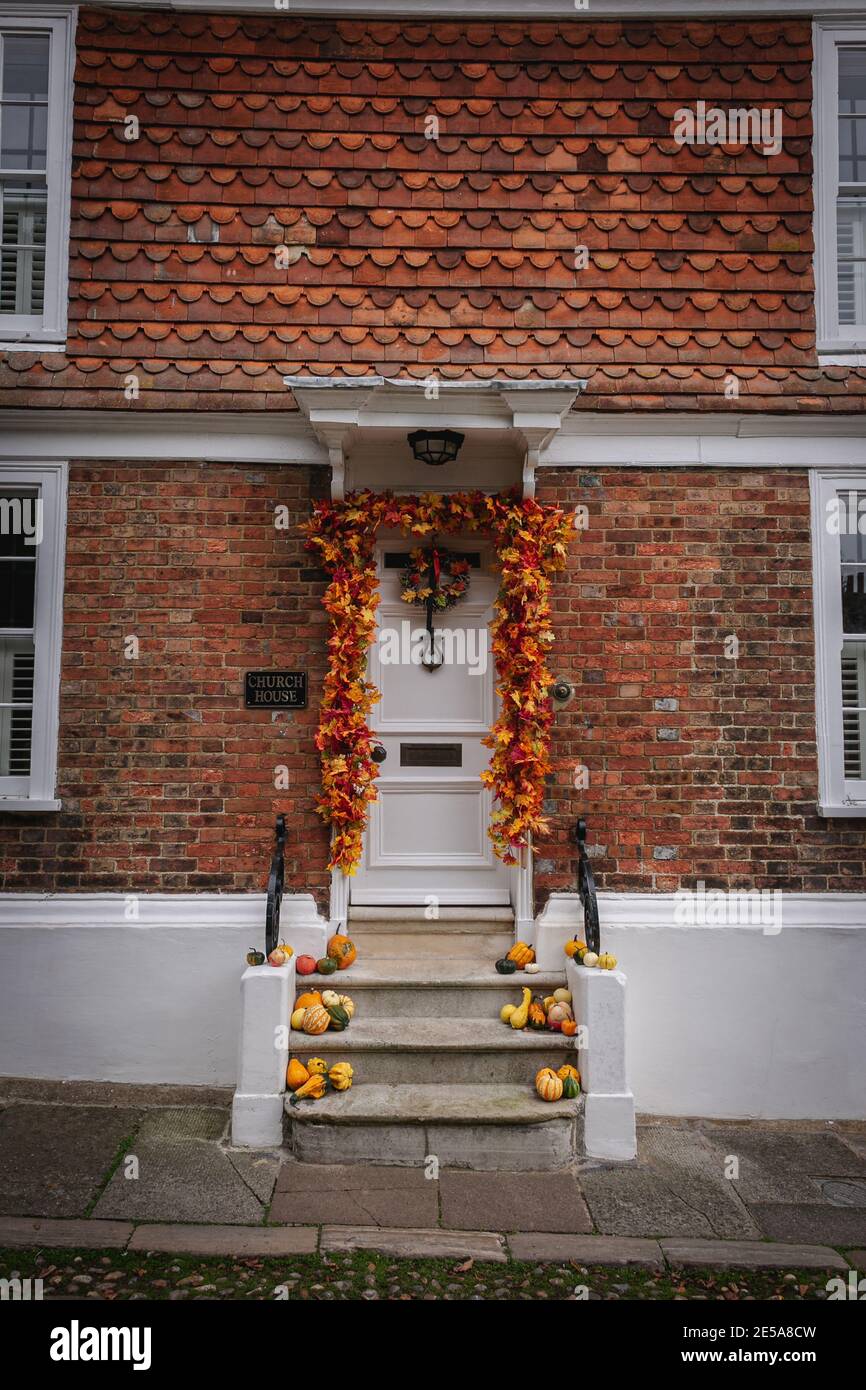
[(168, 783), (454, 255)]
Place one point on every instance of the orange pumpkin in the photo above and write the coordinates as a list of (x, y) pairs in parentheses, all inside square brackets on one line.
[(306, 1001), (316, 1020), (296, 1074), (521, 954), (569, 1028), (568, 1070), (572, 947), (342, 950), (548, 1085)]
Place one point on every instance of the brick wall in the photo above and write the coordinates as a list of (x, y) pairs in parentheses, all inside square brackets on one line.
[(167, 781), (700, 766)]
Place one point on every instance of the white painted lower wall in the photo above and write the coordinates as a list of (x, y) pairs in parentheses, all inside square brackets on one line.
[(737, 1020), (86, 994), (723, 1021)]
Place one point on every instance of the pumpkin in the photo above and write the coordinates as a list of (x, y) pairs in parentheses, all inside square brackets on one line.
[(316, 1020), (296, 1074), (568, 1070), (317, 1066), (305, 965), (277, 957), (606, 962), (559, 1013), (338, 1016), (589, 959), (521, 954), (537, 1018), (549, 1001), (329, 997), (506, 1011), (342, 950), (348, 1004), (340, 1076), (570, 1088), (544, 1072), (562, 996), (569, 1028), (521, 1013), (288, 951), (532, 968), (573, 948), (313, 1089), (506, 966), (255, 957), (298, 1019), (326, 966), (548, 1085), (306, 1001)]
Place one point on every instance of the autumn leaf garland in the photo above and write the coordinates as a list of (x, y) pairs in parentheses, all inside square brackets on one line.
[(531, 542)]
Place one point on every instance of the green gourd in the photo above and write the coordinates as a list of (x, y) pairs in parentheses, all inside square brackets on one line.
[(570, 1088), (339, 1017), (506, 967), (326, 966)]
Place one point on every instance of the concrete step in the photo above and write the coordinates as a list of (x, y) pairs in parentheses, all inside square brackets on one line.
[(439, 1051), (479, 934), (475, 1126), (394, 988)]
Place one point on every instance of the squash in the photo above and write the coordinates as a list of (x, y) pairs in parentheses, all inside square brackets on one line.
[(329, 997), (559, 1013), (532, 968), (277, 957), (606, 961), (305, 965), (326, 966), (521, 954), (568, 1070), (544, 1071), (569, 1028), (313, 1089), (317, 1066), (255, 957), (537, 1018), (342, 950), (296, 1074), (521, 1013), (306, 1001), (549, 1001), (348, 1004), (316, 1020), (570, 1088), (288, 951), (548, 1085), (573, 948), (589, 959), (297, 1019), (506, 966), (340, 1076), (338, 1016), (562, 996), (506, 1011)]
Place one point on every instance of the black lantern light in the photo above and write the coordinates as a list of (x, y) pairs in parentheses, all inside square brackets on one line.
[(435, 446)]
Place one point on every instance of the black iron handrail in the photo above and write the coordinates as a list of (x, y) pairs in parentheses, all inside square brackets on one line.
[(586, 891), (275, 887)]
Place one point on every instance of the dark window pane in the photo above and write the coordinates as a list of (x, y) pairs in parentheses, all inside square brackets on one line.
[(25, 66), (23, 136), (852, 79), (17, 587)]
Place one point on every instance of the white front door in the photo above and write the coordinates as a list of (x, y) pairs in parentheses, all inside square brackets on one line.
[(427, 833)]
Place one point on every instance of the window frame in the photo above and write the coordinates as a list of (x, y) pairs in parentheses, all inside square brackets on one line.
[(51, 477), (49, 327), (837, 795)]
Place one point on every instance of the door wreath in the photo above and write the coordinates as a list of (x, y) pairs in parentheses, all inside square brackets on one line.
[(424, 583), (531, 544)]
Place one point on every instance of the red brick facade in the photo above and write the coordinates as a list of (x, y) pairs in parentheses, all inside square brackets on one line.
[(167, 782)]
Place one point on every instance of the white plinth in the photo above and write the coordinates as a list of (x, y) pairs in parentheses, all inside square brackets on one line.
[(267, 993), (599, 1007)]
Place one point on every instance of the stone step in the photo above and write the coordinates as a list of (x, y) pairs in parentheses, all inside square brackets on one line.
[(484, 1127), (480, 934), (390, 988), (439, 1051)]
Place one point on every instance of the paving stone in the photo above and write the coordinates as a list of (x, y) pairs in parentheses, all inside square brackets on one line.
[(691, 1168), (258, 1170), (227, 1240), (632, 1201), (417, 1244), (512, 1202), (586, 1250), (778, 1165), (747, 1254), (180, 1180), (187, 1123), (355, 1195), (53, 1158), (827, 1225), (89, 1235)]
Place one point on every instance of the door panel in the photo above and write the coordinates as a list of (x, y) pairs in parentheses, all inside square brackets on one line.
[(427, 834)]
